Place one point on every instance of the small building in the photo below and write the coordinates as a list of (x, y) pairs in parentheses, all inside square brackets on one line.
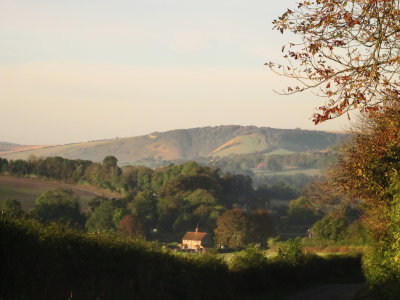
[(196, 241)]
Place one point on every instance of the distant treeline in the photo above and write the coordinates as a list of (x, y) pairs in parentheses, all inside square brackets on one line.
[(128, 179), (54, 262), (245, 163), (171, 199)]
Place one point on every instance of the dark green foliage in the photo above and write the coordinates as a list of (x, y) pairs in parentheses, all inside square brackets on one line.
[(330, 227), (95, 202), (60, 206), (356, 234), (291, 252), (301, 213), (11, 208), (145, 206), (233, 229), (57, 263), (253, 257), (381, 263), (172, 199), (54, 262), (106, 216), (296, 183), (279, 191), (237, 228)]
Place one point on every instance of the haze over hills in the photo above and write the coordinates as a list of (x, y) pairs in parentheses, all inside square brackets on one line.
[(191, 143), (6, 147)]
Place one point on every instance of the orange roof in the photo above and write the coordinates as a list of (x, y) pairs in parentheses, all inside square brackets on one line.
[(194, 236)]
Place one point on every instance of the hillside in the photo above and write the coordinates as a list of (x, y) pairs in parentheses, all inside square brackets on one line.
[(26, 190), (6, 148), (191, 143)]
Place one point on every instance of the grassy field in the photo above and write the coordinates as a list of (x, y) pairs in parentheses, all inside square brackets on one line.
[(242, 145), (278, 152), (26, 190), (287, 172)]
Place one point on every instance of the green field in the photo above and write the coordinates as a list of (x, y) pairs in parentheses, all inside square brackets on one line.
[(287, 172), (242, 145), (26, 190), (278, 152)]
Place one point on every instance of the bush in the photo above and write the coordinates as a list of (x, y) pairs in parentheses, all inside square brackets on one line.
[(330, 227), (253, 257), (291, 252), (11, 208)]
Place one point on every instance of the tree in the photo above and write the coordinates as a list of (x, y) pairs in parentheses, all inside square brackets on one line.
[(145, 206), (262, 226), (95, 202), (107, 216), (348, 50), (132, 226), (368, 165), (236, 228), (301, 212), (59, 205), (12, 208), (330, 227), (366, 175), (233, 229)]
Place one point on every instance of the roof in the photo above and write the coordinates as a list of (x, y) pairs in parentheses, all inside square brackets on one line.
[(194, 236)]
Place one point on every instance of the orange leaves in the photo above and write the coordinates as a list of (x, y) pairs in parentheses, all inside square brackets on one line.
[(349, 52)]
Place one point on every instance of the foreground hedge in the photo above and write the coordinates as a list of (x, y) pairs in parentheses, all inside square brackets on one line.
[(52, 262)]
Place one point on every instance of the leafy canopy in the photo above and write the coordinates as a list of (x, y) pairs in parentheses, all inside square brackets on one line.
[(348, 52)]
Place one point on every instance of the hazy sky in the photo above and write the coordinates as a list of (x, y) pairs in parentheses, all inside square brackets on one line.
[(81, 70)]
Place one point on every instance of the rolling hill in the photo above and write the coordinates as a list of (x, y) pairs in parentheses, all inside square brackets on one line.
[(6, 148), (26, 190), (189, 144)]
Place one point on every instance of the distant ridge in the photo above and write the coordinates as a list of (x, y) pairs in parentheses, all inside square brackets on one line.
[(7, 148), (188, 144)]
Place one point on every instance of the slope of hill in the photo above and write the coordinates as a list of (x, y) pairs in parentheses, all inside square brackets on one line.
[(26, 190), (244, 144), (192, 143), (7, 148)]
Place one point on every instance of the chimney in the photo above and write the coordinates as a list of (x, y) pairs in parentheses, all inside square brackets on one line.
[(197, 229)]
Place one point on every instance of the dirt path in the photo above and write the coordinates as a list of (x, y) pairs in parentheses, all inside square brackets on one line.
[(328, 292)]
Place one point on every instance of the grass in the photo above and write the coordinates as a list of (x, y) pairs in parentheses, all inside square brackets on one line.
[(278, 152), (242, 145), (287, 172), (26, 190)]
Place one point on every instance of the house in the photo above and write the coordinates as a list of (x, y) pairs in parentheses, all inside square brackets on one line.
[(196, 241)]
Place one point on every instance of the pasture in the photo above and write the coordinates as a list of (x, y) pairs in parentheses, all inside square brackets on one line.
[(26, 190)]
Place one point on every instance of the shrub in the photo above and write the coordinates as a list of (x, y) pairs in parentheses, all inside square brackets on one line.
[(253, 257), (330, 227), (290, 252)]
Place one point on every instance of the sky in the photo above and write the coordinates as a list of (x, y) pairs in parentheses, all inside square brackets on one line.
[(80, 70)]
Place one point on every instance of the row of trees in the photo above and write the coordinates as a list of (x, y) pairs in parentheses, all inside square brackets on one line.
[(245, 163), (234, 228)]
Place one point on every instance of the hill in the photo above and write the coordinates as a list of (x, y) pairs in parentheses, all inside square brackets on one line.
[(26, 190), (189, 144), (6, 148)]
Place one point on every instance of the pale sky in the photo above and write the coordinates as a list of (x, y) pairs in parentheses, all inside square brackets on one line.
[(79, 70)]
